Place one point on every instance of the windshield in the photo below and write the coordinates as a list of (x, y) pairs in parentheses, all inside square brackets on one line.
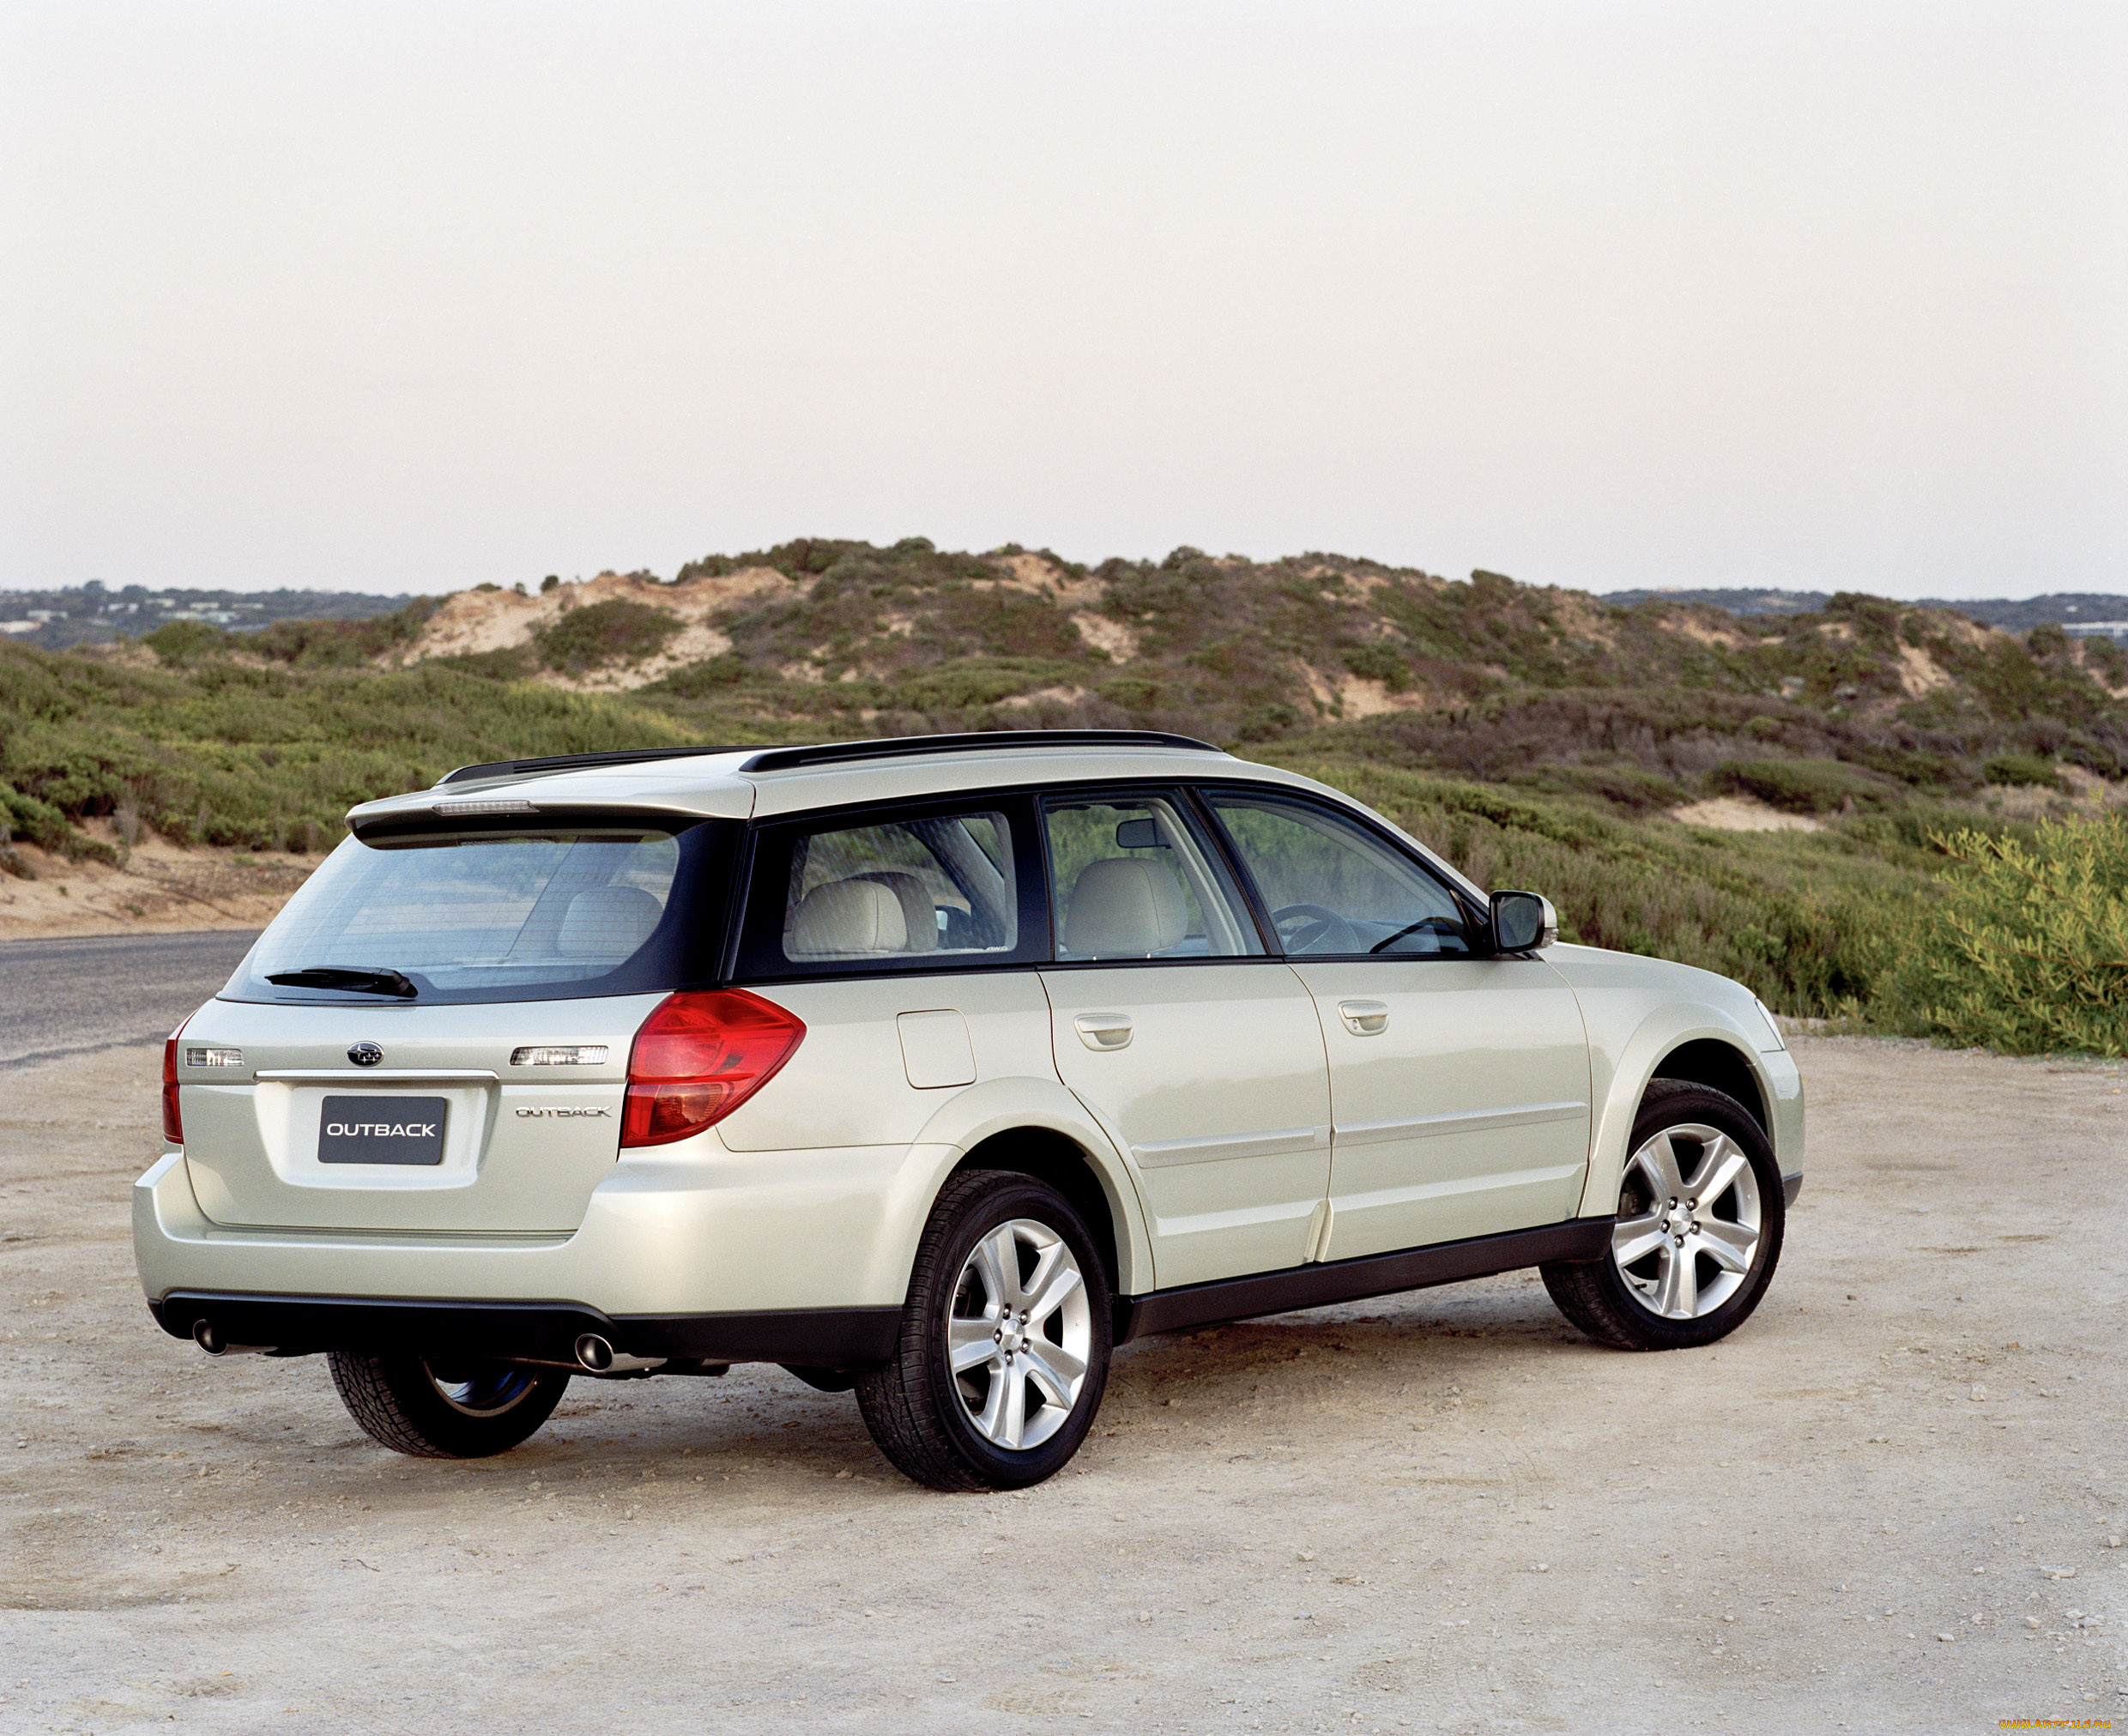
[(488, 915)]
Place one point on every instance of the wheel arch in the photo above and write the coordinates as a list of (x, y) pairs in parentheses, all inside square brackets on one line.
[(1051, 1156), (1036, 1128), (1678, 1041), (1719, 1066)]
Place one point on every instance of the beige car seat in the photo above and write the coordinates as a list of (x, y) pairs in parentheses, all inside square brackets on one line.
[(845, 919), (1125, 907)]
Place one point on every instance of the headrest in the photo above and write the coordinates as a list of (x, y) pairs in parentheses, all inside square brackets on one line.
[(847, 917), (918, 912), (608, 923), (1125, 907)]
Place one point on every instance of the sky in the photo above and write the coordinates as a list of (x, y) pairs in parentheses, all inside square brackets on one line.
[(409, 297)]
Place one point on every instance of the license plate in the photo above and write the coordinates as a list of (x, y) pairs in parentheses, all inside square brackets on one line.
[(381, 1130)]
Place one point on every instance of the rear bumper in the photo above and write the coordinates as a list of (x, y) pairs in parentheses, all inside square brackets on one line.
[(529, 1331), (701, 1251)]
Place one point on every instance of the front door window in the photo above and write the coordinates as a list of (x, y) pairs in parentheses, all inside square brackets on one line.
[(1334, 889)]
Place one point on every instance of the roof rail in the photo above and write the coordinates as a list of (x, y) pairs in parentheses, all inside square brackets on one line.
[(570, 762), (981, 740)]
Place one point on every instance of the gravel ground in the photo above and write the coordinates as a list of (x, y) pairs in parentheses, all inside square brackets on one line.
[(1887, 1502)]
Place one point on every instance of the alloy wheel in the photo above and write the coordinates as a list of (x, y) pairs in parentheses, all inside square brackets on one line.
[(1020, 1333), (1690, 1220)]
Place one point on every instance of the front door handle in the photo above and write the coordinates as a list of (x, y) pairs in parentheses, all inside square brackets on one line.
[(1103, 1029), (1364, 1018)]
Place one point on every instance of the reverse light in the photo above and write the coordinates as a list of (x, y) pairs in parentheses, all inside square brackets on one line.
[(698, 1057), (172, 1123)]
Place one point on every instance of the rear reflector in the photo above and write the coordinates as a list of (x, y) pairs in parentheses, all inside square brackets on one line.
[(698, 1057), (172, 1123)]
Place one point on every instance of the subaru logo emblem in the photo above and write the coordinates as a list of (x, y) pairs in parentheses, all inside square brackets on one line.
[(365, 1055)]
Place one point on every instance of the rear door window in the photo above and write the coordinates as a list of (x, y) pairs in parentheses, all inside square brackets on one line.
[(940, 888), (1134, 880)]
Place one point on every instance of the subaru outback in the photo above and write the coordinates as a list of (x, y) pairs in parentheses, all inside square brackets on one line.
[(934, 1068)]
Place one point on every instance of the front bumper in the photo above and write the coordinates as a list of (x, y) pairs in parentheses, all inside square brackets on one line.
[(697, 1252)]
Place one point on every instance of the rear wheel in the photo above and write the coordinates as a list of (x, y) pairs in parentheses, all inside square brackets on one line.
[(1700, 1216), (1005, 1338), (446, 1409)]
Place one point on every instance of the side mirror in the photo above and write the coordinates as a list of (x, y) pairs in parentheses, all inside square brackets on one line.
[(1522, 922)]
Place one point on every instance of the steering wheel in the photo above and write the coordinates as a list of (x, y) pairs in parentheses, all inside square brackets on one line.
[(1320, 923)]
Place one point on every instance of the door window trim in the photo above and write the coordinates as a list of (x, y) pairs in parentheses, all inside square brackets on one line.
[(1479, 921)]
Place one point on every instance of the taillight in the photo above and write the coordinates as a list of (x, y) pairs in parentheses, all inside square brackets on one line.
[(698, 1057), (173, 1125)]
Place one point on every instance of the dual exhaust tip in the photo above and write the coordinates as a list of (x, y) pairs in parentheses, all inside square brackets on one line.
[(594, 1355)]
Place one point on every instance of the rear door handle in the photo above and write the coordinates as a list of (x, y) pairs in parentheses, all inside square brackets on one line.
[(1364, 1018), (1103, 1029)]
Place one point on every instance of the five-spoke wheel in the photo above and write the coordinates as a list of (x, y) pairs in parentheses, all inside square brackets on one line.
[(1689, 1218), (1018, 1335), (1701, 1216), (1004, 1345)]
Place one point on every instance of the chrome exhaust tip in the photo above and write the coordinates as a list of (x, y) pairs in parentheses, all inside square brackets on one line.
[(207, 1336), (595, 1356)]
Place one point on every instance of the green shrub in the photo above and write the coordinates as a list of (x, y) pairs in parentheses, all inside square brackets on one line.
[(1622, 786), (1377, 661), (2021, 769), (2025, 947), (616, 631), (710, 676), (1801, 786), (181, 644)]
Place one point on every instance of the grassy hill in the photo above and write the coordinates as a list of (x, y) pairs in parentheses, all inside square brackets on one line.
[(1542, 737)]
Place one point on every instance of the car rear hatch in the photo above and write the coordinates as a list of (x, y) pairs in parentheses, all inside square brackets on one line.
[(443, 1133), (434, 1037)]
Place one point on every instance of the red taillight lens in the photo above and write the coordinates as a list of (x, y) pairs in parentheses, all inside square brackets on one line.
[(697, 1058), (173, 1125)]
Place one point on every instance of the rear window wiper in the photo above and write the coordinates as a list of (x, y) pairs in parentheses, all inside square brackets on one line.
[(367, 979)]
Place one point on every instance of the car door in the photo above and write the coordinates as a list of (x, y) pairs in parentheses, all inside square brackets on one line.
[(1459, 1080), (1200, 1054)]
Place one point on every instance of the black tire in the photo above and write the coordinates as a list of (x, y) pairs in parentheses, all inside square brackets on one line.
[(1596, 1296), (446, 1410), (914, 1406)]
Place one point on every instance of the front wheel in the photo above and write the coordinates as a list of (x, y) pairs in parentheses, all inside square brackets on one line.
[(1004, 1338), (1700, 1216), (448, 1408)]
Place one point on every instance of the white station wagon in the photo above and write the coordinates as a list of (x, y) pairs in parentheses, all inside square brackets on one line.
[(933, 1068)]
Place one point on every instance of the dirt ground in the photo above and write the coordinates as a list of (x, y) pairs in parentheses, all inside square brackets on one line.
[(163, 888), (1889, 1501)]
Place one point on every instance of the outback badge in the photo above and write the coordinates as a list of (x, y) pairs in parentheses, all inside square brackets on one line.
[(366, 1055)]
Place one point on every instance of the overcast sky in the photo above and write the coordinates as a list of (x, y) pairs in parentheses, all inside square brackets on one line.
[(407, 297)]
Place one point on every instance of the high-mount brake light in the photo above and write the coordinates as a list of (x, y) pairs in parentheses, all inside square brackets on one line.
[(698, 1057), (172, 1123)]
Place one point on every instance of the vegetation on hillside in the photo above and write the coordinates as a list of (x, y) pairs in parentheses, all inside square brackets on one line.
[(1539, 737), (2025, 948)]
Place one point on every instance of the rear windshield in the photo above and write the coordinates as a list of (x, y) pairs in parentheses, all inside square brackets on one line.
[(498, 915)]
